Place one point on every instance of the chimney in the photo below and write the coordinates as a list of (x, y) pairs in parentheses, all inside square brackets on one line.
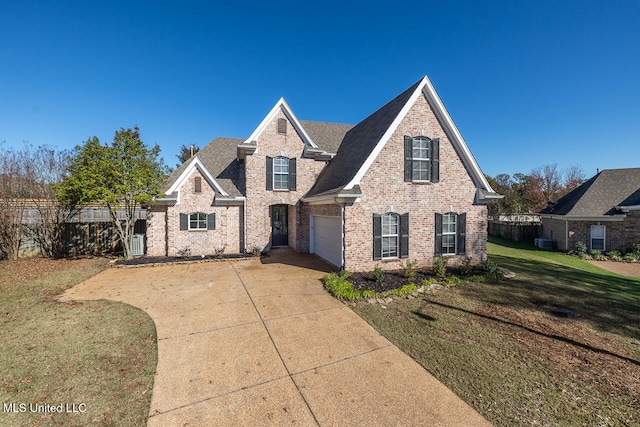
[(191, 150)]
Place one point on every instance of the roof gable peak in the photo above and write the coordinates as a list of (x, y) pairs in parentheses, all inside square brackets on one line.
[(283, 106)]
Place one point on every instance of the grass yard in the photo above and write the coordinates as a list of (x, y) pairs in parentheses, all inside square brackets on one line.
[(498, 346), (96, 356)]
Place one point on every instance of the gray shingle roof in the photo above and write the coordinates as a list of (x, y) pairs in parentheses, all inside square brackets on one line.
[(219, 157), (600, 195), (326, 135), (356, 146)]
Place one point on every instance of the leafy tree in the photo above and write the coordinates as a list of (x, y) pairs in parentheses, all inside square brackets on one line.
[(186, 153), (123, 176)]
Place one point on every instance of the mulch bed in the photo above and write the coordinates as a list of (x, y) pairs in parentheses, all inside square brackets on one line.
[(150, 260), (395, 279)]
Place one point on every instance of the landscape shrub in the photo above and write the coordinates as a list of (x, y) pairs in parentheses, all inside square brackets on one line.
[(614, 255), (631, 257), (634, 248), (340, 287), (409, 269), (439, 267), (581, 248), (378, 275), (466, 268)]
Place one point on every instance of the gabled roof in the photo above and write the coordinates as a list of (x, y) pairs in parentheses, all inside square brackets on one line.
[(217, 162), (288, 112), (608, 193), (362, 144)]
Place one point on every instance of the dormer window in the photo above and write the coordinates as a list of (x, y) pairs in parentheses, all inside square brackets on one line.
[(282, 126)]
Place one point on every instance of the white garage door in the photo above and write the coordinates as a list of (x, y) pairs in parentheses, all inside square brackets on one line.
[(327, 239)]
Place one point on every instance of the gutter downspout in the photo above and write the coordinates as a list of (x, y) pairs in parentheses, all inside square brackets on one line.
[(342, 251), (244, 225), (566, 234)]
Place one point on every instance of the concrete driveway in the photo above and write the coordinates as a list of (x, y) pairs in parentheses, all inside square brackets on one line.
[(260, 342)]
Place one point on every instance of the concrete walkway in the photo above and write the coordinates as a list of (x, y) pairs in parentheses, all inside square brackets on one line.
[(260, 342)]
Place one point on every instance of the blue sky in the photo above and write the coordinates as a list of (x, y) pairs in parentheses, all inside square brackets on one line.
[(528, 83)]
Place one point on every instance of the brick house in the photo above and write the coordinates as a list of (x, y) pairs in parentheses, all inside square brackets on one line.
[(401, 184), (603, 213)]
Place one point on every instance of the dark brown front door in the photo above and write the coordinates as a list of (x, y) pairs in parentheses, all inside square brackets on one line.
[(279, 222)]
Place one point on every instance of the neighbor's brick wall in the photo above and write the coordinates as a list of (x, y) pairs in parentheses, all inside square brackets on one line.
[(385, 191), (259, 200), (632, 229), (617, 233), (228, 232)]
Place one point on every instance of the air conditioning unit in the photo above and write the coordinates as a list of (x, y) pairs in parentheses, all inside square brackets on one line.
[(543, 243)]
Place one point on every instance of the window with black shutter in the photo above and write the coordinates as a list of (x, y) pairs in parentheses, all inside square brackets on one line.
[(421, 159), (390, 236), (281, 173), (451, 232)]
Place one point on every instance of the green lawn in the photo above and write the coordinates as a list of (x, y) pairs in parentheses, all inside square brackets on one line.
[(498, 346), (97, 355)]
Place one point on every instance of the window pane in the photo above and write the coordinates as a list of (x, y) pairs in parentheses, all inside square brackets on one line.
[(280, 182), (597, 244), (420, 148), (449, 244)]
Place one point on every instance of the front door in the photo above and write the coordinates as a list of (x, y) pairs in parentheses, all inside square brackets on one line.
[(279, 230)]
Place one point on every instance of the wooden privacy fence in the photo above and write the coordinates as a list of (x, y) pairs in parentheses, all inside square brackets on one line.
[(515, 232), (84, 238)]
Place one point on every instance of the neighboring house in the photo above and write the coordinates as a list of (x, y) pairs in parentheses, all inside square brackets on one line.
[(401, 184), (603, 213)]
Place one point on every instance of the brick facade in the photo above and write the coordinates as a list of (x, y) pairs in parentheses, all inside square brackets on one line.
[(259, 199), (619, 234), (385, 191), (164, 237)]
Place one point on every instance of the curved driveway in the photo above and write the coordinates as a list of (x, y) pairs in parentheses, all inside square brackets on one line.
[(260, 342)]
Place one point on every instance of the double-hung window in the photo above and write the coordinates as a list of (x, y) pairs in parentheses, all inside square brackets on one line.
[(451, 234), (597, 237), (390, 236), (281, 173), (420, 167), (421, 159)]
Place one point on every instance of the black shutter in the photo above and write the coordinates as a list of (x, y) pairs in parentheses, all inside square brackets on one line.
[(211, 221), (435, 160), (184, 221), (438, 249), (377, 236), (292, 174), (269, 173), (408, 159), (404, 235), (461, 233)]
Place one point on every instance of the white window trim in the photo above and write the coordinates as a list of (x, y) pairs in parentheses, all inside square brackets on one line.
[(396, 236), (198, 221), (286, 160), (449, 233), (604, 237)]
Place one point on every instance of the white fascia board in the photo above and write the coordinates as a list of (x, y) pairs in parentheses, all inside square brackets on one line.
[(454, 134), (281, 104), (385, 138), (196, 163)]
